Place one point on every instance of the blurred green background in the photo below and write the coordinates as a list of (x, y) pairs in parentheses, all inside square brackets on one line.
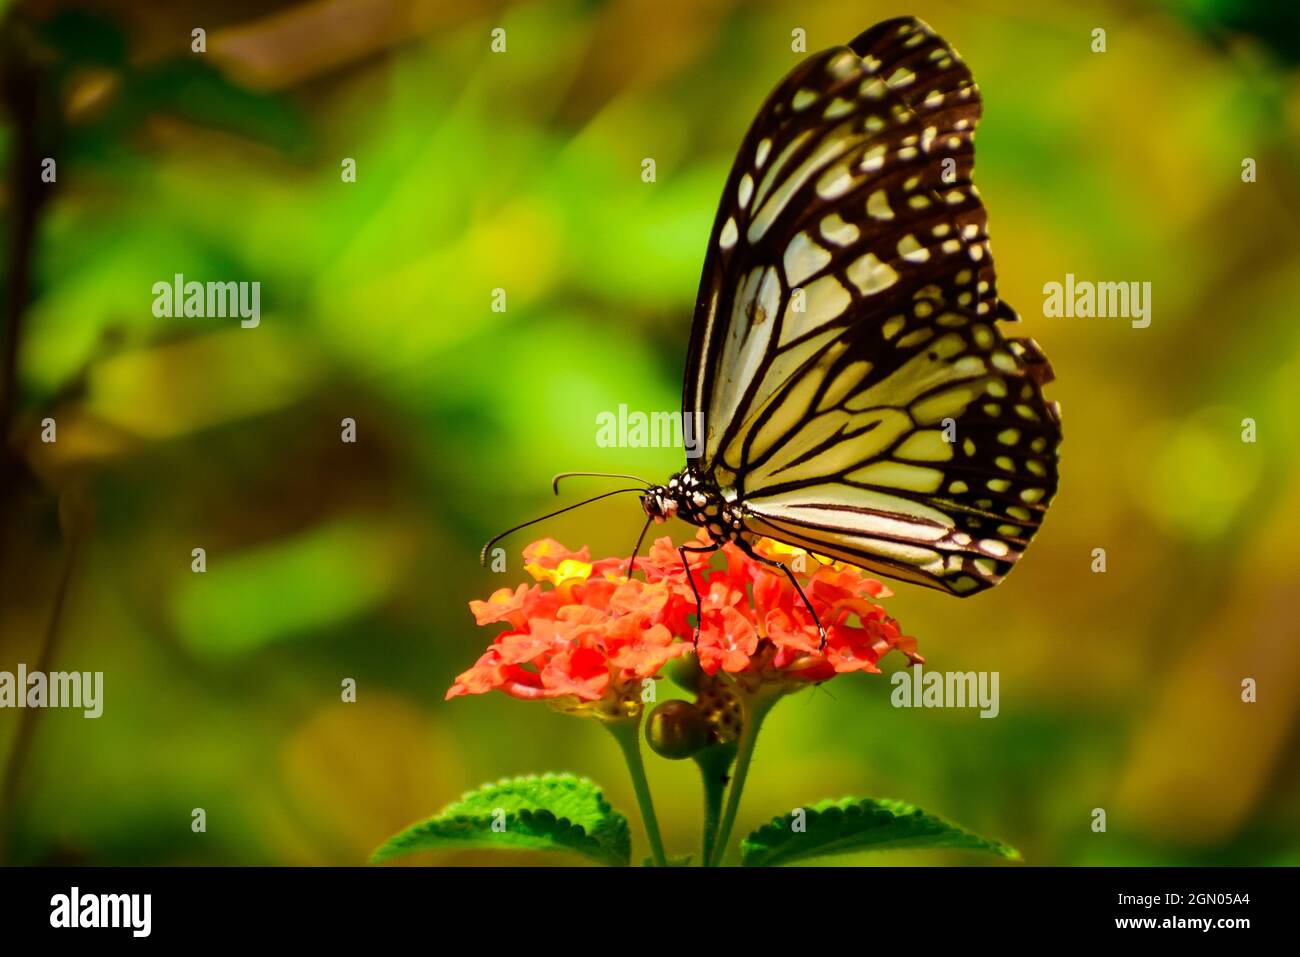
[(522, 171)]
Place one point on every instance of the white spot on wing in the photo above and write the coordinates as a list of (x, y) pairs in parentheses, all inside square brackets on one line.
[(825, 299), (901, 77), (870, 275), (911, 250), (745, 190), (878, 205), (728, 236), (836, 230), (837, 108), (835, 182), (873, 159), (803, 258), (873, 88)]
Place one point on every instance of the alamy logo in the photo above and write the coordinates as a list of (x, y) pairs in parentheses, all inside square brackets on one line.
[(649, 430), (916, 688), (217, 300), (57, 689), (75, 909), (1104, 300)]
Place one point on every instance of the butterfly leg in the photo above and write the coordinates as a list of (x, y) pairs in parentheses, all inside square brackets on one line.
[(748, 549), (699, 604)]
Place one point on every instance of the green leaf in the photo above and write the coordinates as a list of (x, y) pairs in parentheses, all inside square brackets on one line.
[(295, 587), (857, 824), (554, 812)]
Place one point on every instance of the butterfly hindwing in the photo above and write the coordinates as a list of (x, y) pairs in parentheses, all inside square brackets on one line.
[(848, 297), (936, 469)]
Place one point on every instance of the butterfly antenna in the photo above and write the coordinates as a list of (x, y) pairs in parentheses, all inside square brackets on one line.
[(631, 562), (482, 556), (555, 482)]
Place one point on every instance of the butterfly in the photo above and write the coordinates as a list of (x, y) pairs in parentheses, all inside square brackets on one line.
[(854, 394)]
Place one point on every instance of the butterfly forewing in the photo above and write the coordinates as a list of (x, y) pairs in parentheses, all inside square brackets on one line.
[(854, 390)]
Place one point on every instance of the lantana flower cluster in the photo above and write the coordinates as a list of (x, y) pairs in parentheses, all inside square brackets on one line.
[(585, 637)]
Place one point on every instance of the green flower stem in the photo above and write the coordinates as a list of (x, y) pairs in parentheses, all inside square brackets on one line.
[(753, 711), (713, 763), (628, 735)]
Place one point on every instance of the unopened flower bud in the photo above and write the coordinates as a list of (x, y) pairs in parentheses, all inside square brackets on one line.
[(677, 730)]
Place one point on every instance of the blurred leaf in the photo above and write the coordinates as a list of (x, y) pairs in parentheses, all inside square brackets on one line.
[(177, 387), (550, 813), (858, 824), (317, 580)]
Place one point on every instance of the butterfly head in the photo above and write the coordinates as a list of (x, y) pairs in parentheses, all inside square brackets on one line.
[(660, 502), (697, 500)]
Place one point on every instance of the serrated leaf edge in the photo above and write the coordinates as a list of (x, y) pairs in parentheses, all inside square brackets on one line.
[(776, 833), (585, 844)]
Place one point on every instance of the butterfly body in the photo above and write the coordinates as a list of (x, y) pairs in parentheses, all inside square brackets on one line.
[(696, 499)]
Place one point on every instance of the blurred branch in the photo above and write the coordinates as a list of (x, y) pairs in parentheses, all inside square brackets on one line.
[(24, 93), (73, 518)]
